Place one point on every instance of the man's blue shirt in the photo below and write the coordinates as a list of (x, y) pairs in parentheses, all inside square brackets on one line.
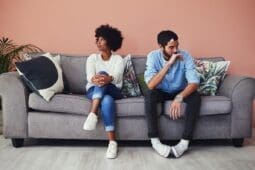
[(179, 74)]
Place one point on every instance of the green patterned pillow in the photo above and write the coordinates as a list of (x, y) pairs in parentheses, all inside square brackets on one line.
[(211, 74), (142, 83), (130, 86)]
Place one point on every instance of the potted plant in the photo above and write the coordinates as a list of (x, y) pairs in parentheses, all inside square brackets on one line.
[(11, 53)]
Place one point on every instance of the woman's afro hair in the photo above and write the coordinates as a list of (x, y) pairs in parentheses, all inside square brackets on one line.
[(112, 36)]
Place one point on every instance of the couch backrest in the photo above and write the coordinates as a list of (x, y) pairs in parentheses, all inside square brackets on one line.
[(74, 70), (213, 59), (139, 64)]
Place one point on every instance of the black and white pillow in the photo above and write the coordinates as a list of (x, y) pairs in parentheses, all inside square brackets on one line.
[(43, 75)]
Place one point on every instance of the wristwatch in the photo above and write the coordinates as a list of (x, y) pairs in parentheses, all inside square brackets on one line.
[(178, 98)]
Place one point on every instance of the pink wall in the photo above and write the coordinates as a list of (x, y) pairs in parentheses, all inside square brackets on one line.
[(205, 27)]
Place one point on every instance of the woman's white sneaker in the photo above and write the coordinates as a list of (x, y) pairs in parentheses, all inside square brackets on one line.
[(91, 122), (112, 150)]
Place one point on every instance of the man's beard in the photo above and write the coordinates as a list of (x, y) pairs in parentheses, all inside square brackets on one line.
[(166, 56)]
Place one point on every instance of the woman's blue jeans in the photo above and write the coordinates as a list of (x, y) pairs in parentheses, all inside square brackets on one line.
[(107, 94)]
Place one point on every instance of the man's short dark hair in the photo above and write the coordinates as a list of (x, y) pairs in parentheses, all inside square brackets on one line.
[(112, 36), (165, 36)]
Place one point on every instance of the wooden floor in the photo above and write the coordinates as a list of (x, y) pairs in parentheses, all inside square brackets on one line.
[(82, 155)]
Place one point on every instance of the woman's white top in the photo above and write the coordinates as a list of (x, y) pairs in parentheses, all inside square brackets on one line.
[(114, 67)]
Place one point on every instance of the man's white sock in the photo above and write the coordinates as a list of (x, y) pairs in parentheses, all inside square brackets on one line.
[(163, 150), (180, 148)]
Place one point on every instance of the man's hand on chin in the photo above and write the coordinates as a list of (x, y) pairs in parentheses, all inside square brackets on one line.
[(175, 57)]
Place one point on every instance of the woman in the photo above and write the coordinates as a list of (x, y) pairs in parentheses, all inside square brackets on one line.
[(105, 78)]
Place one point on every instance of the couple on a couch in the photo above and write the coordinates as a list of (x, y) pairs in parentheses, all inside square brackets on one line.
[(170, 75)]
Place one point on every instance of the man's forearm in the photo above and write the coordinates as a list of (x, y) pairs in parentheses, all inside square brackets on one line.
[(155, 80)]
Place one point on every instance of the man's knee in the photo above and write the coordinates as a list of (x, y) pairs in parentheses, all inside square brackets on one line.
[(197, 97), (194, 97), (151, 93)]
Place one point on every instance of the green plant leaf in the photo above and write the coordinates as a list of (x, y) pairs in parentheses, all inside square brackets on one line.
[(10, 53)]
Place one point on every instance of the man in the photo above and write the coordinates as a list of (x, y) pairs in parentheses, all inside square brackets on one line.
[(170, 75)]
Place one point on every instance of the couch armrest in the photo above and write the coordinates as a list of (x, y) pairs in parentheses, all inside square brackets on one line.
[(241, 90), (14, 97)]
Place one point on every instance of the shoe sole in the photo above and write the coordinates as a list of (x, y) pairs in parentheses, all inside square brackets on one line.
[(89, 129)]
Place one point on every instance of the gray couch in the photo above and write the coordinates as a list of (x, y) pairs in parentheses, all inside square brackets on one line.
[(25, 115)]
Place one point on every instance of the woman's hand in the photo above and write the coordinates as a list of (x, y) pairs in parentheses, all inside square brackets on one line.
[(105, 79), (101, 79)]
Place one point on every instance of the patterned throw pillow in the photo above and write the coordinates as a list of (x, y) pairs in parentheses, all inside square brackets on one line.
[(142, 83), (130, 86), (43, 75), (211, 74)]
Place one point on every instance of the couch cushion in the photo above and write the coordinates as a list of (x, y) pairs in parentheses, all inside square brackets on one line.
[(130, 107), (63, 103), (79, 104), (210, 105), (74, 72)]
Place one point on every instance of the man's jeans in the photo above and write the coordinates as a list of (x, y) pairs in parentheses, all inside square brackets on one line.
[(107, 94), (155, 96)]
